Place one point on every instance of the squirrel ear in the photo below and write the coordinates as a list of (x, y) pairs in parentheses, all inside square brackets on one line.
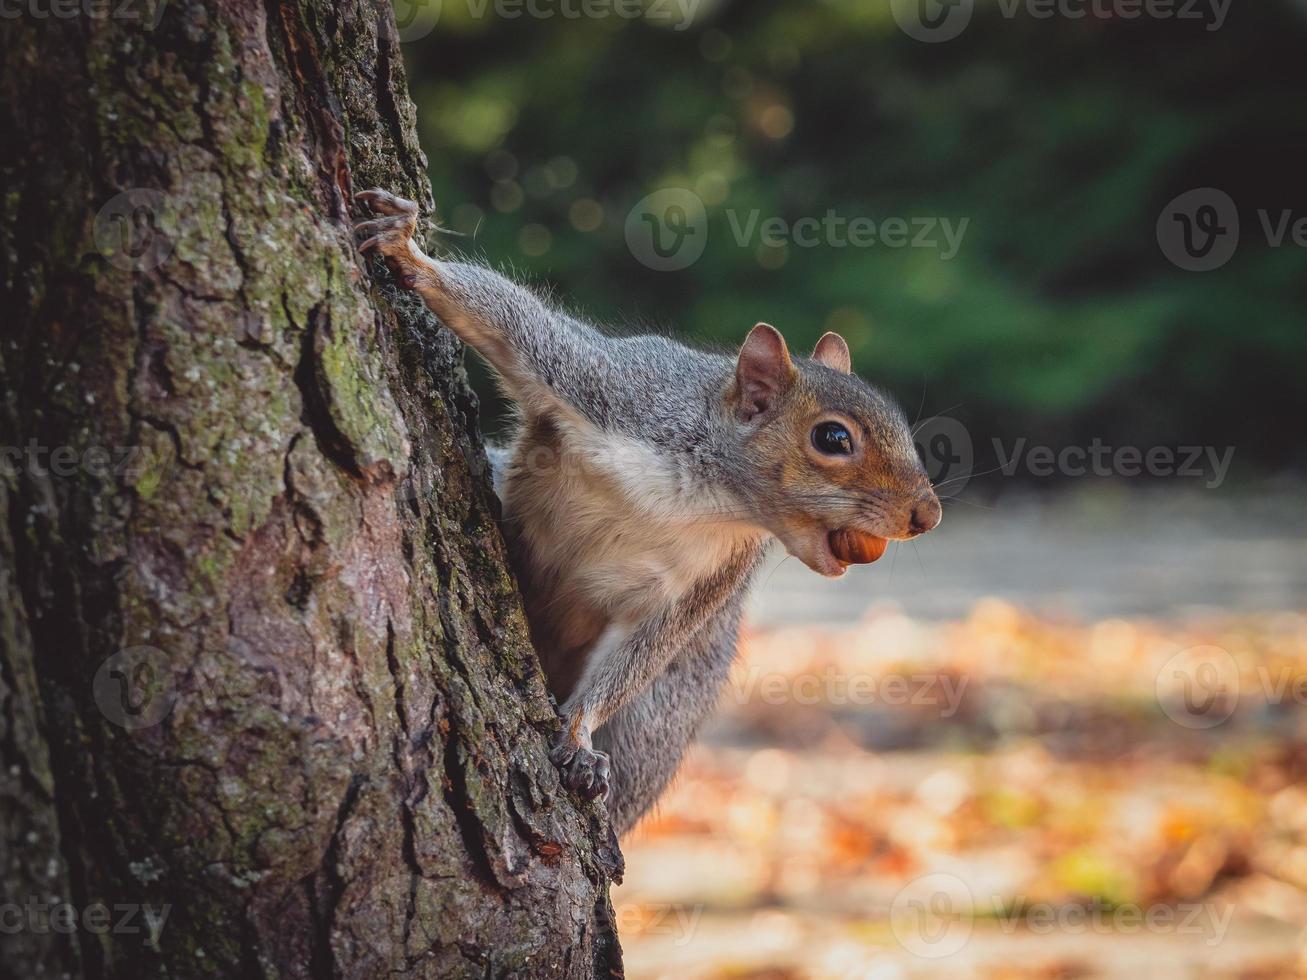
[(832, 351), (763, 371)]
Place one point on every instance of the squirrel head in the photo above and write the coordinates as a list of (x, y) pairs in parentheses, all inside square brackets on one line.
[(828, 458)]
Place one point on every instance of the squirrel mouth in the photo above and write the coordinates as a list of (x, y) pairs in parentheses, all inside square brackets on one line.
[(852, 547)]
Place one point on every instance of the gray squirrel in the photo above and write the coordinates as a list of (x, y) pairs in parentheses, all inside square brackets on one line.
[(640, 491)]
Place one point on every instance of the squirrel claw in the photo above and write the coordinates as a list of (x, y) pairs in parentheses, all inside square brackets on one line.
[(384, 202), (391, 235), (377, 227)]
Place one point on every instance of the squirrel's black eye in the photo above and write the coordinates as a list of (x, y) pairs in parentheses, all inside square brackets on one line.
[(832, 439)]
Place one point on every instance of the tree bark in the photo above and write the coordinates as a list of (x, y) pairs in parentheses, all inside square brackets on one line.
[(264, 675)]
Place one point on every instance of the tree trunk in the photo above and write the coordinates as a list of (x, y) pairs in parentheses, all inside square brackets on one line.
[(264, 676)]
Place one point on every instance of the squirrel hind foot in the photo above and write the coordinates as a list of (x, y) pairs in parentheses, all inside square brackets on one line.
[(585, 771)]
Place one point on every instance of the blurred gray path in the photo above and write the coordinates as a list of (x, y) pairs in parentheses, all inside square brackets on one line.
[(1092, 554)]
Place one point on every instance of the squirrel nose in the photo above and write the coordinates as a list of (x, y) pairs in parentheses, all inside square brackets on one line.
[(925, 516)]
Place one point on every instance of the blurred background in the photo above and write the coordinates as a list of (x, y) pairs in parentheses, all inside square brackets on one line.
[(1063, 735)]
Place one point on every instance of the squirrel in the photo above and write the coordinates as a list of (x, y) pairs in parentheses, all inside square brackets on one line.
[(640, 491)]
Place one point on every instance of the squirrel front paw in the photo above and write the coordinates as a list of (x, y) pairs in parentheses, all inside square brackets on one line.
[(584, 769), (392, 234)]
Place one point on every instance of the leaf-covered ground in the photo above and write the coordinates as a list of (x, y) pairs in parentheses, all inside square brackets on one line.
[(998, 796)]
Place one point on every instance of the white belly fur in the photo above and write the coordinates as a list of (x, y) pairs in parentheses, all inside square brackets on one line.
[(611, 524)]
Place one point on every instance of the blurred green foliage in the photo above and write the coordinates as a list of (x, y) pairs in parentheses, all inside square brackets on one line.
[(1059, 140)]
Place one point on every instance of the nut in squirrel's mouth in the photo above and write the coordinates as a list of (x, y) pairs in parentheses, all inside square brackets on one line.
[(851, 547)]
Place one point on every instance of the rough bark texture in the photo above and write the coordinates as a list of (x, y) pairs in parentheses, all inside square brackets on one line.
[(298, 551)]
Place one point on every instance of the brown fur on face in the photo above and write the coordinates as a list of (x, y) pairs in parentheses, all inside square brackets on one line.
[(803, 494)]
